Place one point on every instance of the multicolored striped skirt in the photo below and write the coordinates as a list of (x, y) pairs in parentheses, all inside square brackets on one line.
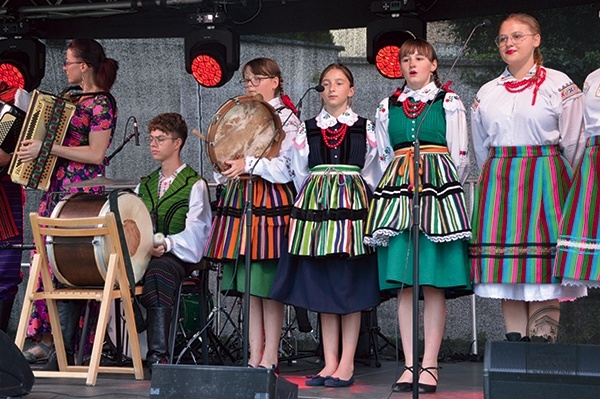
[(271, 207), (578, 246), (330, 212), (444, 215), (516, 212)]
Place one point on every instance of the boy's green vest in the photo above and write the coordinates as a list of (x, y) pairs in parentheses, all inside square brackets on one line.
[(170, 211)]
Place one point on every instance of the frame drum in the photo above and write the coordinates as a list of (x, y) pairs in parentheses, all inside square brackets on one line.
[(83, 261), (244, 125)]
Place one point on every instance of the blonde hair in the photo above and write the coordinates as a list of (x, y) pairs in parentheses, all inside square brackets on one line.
[(534, 25)]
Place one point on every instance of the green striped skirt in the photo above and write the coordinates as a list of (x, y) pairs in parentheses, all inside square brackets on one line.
[(329, 213), (444, 215)]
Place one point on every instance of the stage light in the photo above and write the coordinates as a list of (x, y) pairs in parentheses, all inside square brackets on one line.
[(212, 56), (384, 40), (22, 62)]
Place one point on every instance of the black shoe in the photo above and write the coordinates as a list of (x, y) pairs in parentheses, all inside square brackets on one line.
[(403, 386), (513, 336), (159, 323), (337, 383), (315, 380), (427, 388)]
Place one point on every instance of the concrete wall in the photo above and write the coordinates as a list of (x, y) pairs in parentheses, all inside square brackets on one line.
[(152, 80)]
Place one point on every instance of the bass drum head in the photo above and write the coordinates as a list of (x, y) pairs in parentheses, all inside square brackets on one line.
[(243, 126), (83, 261)]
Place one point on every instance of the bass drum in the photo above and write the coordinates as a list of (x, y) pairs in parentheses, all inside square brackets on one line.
[(83, 261), (244, 125)]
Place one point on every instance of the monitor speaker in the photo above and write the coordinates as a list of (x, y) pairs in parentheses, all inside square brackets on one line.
[(16, 377), (540, 370), (218, 382)]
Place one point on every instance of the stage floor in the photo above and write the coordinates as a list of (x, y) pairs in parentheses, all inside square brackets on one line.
[(462, 380)]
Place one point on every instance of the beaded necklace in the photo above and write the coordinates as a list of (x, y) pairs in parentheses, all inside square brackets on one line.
[(522, 85), (334, 137), (412, 110)]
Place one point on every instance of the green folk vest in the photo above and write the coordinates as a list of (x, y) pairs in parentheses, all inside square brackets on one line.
[(168, 214)]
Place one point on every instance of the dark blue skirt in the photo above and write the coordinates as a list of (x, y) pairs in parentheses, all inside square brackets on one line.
[(332, 284)]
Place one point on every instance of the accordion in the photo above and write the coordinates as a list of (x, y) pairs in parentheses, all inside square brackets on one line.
[(11, 121), (47, 119)]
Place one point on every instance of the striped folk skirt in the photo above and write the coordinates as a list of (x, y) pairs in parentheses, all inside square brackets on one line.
[(271, 207), (517, 209), (578, 246), (329, 213), (444, 215)]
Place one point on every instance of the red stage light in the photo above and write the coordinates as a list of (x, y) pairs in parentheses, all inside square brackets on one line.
[(384, 39), (12, 75), (22, 62), (207, 71), (388, 63), (212, 56)]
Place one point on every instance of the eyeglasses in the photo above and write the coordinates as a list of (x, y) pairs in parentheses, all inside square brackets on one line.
[(158, 139), (255, 80), (516, 38), (69, 63)]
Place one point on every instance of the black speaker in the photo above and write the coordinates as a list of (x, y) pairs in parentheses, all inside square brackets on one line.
[(529, 370), (218, 382), (16, 377)]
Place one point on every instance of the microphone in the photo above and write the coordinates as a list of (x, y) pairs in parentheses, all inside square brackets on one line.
[(317, 88), (136, 132)]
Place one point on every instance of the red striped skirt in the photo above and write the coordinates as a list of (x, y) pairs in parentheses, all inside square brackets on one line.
[(271, 207)]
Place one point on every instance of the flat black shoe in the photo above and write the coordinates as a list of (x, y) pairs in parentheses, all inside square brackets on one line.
[(338, 383), (403, 386), (315, 380), (427, 388)]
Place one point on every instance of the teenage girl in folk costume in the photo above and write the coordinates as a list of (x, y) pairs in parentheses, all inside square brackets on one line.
[(328, 268), (444, 225), (527, 133), (81, 157), (273, 196), (578, 245)]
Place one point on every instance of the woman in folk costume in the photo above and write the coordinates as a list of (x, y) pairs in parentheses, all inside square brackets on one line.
[(328, 268), (444, 226), (527, 135), (578, 245), (273, 196), (80, 157)]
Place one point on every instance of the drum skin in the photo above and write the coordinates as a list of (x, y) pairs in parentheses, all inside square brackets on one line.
[(243, 126), (83, 261)]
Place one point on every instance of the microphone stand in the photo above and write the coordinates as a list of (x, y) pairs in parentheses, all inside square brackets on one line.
[(134, 134), (120, 148), (415, 227)]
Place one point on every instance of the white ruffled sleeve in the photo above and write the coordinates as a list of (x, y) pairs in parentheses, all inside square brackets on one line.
[(385, 151), (457, 134), (371, 171), (571, 125), (299, 163), (478, 133)]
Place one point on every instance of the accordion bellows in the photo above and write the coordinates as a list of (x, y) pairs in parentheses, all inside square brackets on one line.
[(47, 119)]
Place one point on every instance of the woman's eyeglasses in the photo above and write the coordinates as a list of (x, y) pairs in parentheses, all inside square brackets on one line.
[(516, 38), (255, 80), (69, 63)]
